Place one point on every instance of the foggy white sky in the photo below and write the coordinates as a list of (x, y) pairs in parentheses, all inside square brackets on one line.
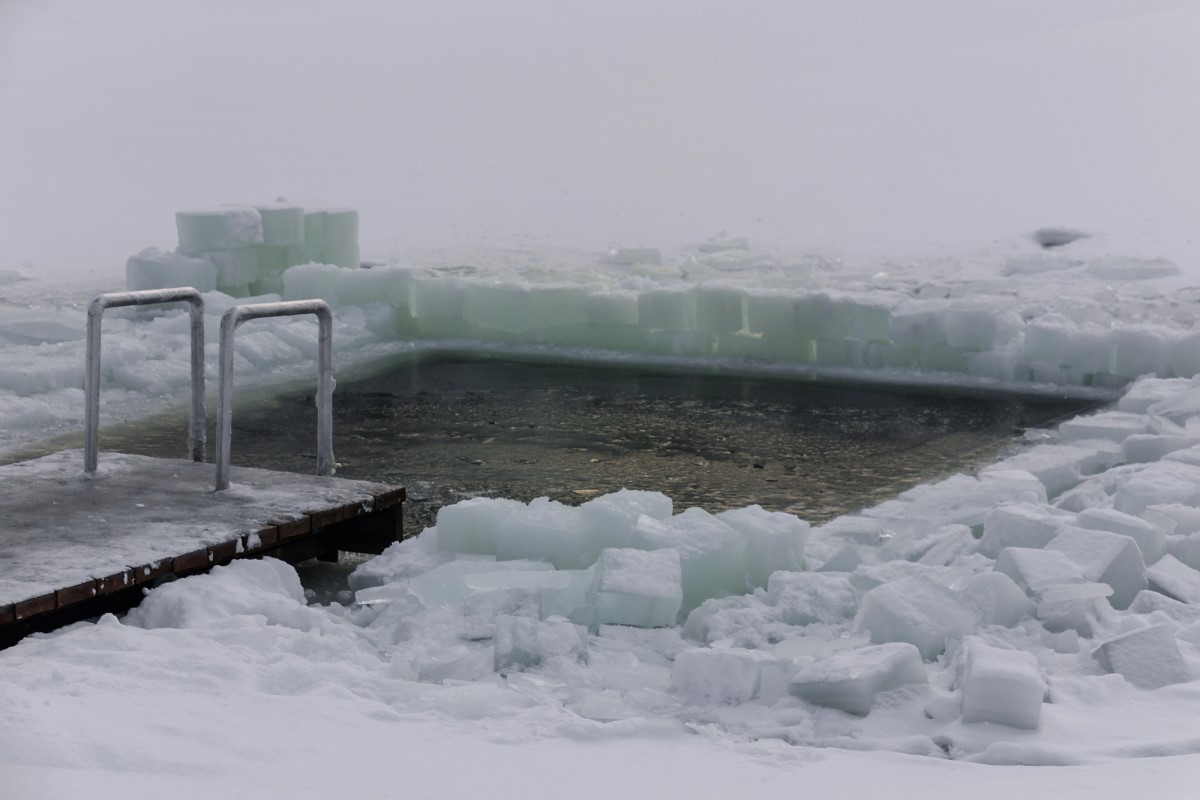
[(868, 126)]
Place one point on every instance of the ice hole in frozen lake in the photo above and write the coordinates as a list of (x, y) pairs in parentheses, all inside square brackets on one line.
[(450, 426)]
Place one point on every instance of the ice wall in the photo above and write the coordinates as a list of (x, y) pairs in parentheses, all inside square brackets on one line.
[(1033, 316), (991, 338)]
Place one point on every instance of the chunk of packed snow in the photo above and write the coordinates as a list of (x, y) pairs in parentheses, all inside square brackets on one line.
[(1148, 658), (638, 587), (849, 680), (1004, 687), (266, 589)]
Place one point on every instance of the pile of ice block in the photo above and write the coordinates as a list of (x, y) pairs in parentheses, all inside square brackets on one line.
[(244, 250)]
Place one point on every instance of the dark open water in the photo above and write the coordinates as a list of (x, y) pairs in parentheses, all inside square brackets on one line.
[(451, 428)]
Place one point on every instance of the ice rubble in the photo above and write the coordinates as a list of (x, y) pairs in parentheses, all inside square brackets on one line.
[(1029, 618), (975, 617)]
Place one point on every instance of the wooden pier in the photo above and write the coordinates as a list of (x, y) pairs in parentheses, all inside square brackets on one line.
[(73, 546)]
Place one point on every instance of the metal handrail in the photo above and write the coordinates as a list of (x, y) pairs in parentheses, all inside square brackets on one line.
[(234, 317), (91, 377)]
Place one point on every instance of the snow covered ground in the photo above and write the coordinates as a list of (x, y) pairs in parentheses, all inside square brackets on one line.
[(580, 179)]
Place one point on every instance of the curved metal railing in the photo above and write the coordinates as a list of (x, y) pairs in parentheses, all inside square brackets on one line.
[(91, 377), (234, 317)]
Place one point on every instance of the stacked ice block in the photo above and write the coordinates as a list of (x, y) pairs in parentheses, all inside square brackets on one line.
[(244, 250)]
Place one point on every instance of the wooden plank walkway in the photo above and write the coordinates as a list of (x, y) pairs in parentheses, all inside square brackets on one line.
[(73, 546)]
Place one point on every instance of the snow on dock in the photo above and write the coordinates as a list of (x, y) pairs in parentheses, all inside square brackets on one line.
[(67, 539)]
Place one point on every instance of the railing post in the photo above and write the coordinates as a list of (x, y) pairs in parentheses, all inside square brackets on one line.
[(230, 321), (91, 375)]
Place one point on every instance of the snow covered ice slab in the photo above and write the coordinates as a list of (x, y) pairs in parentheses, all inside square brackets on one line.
[(339, 244), (1058, 467), (849, 679), (712, 554), (282, 224), (235, 268), (470, 526), (802, 598), (1150, 538), (1176, 579), (1020, 525), (154, 269), (996, 599), (1036, 571), (638, 587), (544, 529), (218, 228), (918, 611), (959, 499), (1161, 483), (522, 642), (498, 306), (731, 675), (1116, 426), (1106, 558), (1150, 601), (609, 520), (1145, 448), (774, 540), (448, 585), (1148, 658), (720, 309), (1004, 687)]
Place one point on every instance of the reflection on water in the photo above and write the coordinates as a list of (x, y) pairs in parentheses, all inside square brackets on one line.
[(447, 429)]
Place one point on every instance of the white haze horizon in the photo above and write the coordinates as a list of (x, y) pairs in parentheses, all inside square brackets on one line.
[(921, 130)]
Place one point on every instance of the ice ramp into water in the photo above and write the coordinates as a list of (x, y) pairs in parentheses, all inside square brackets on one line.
[(73, 546)]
